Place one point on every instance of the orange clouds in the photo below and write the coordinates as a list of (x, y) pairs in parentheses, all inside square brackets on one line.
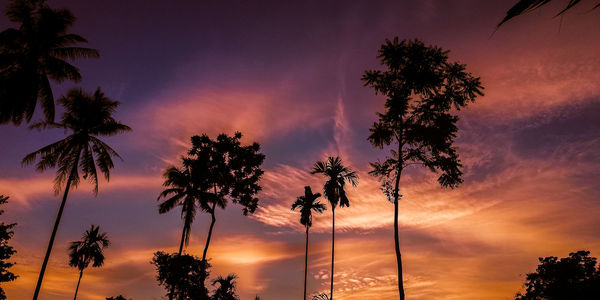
[(23, 190), (176, 116)]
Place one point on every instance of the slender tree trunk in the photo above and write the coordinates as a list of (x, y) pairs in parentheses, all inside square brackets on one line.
[(182, 239), (396, 233), (179, 253), (306, 263), (78, 282), (212, 224), (332, 250), (53, 235)]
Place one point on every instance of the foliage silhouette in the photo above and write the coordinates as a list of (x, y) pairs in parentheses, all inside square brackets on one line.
[(225, 288), (183, 276), (573, 277), (187, 188), (32, 55), (320, 297), (6, 251), (234, 172), (88, 250), (334, 190), (524, 6), (421, 88), (307, 204), (120, 297), (86, 116)]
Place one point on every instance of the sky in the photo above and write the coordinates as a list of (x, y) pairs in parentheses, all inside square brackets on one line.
[(287, 75)]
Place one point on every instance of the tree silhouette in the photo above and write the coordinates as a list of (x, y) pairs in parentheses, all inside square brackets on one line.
[(320, 297), (573, 277), (307, 204), (86, 116), (421, 88), (337, 175), (88, 250), (120, 297), (234, 172), (524, 6), (6, 251), (225, 288), (186, 190), (32, 55), (186, 187), (182, 275)]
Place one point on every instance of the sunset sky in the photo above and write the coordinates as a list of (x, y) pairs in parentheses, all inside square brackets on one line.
[(288, 77)]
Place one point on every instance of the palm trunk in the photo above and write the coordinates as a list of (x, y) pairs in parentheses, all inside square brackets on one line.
[(182, 240), (332, 250), (212, 224), (306, 263), (54, 230), (78, 282), (179, 253), (396, 233)]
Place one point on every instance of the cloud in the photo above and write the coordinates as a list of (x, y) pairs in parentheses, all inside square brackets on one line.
[(25, 190), (175, 116)]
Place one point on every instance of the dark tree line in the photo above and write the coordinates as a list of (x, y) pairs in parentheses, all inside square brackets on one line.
[(6, 251)]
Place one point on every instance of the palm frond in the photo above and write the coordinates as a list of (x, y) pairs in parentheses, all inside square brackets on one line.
[(74, 52)]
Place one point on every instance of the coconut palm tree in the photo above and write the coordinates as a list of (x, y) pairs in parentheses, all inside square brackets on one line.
[(33, 54), (88, 250), (524, 6), (186, 190), (307, 204), (334, 190), (86, 116)]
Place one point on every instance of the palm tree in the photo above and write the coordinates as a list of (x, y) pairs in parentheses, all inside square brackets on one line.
[(88, 250), (307, 204), (34, 54), (226, 288), (185, 190), (86, 116), (337, 175), (524, 6), (320, 297)]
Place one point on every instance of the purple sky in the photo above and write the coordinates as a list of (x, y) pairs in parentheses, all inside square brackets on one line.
[(288, 76)]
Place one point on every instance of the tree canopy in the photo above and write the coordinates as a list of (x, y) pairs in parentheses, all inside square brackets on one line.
[(572, 277)]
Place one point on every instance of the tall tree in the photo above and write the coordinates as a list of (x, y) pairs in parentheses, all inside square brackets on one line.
[(6, 251), (421, 88), (33, 54), (90, 249), (573, 277), (234, 172), (86, 116), (185, 187), (225, 288), (334, 190), (524, 6), (182, 275), (307, 204)]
